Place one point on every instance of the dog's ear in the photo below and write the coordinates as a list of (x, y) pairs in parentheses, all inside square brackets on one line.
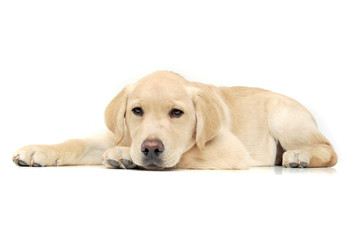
[(209, 114), (115, 115)]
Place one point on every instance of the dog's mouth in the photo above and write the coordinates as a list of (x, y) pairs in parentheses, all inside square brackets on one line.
[(153, 167)]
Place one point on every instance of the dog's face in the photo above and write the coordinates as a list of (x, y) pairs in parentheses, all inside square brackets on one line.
[(161, 117)]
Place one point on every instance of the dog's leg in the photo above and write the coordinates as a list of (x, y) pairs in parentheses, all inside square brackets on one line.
[(225, 151), (87, 151), (294, 127)]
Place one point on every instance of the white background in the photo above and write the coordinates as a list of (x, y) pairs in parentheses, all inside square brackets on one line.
[(61, 62)]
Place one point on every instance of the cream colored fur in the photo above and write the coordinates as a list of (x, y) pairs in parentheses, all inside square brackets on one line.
[(221, 128)]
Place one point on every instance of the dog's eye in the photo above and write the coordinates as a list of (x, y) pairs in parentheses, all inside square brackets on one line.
[(175, 113), (138, 111)]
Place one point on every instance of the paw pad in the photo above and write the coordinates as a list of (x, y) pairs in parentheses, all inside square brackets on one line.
[(296, 159)]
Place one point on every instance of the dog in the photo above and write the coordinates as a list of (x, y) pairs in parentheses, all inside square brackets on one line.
[(166, 122)]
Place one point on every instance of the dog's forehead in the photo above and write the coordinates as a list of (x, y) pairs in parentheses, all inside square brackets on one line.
[(160, 86)]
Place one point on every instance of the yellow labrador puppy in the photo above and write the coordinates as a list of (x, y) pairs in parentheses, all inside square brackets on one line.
[(166, 122)]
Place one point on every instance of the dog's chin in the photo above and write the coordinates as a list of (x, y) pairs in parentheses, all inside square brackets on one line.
[(154, 168)]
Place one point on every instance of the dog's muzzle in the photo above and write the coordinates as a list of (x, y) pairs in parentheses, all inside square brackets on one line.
[(152, 150)]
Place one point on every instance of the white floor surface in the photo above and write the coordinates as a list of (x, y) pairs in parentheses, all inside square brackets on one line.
[(97, 203)]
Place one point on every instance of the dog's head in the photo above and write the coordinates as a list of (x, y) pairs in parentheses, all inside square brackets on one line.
[(163, 116)]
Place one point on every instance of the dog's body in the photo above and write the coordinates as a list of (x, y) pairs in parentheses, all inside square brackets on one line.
[(166, 122)]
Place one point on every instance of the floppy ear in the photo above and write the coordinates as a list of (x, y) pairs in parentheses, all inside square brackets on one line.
[(115, 115), (209, 114)]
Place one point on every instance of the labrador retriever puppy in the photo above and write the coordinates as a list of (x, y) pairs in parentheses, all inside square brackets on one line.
[(166, 122)]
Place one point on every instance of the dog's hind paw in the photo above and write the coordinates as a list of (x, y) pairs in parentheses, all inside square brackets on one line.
[(296, 159)]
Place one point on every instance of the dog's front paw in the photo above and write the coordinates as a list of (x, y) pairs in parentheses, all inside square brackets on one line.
[(118, 157), (296, 159), (36, 156)]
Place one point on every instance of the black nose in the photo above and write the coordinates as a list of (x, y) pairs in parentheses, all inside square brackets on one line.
[(152, 148)]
